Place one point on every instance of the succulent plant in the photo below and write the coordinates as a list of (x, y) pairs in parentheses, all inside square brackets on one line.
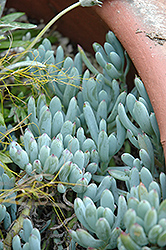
[(73, 139), (100, 221), (31, 236), (145, 221), (61, 75), (52, 121), (45, 158), (111, 59), (142, 112)]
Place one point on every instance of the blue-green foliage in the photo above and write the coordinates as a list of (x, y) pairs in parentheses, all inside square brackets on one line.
[(29, 235), (100, 221), (74, 138), (145, 220)]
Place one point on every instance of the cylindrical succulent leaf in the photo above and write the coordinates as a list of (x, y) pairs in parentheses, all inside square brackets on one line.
[(61, 188), (134, 177), (29, 169), (91, 215), (26, 246), (122, 208), (65, 171), (44, 154), (45, 122), (80, 136), (161, 241), (142, 208), (162, 222), (155, 186), (16, 243), (109, 216), (103, 125), (88, 240), (146, 177), (73, 145), (112, 144), (162, 210), (81, 185), (89, 145), (79, 209), (133, 203), (57, 123), (128, 243), (163, 184), (67, 128), (78, 159), (125, 120), (154, 233), (103, 230), (154, 198), (51, 164), (120, 99), (20, 157), (72, 110), (34, 242), (37, 166), (145, 158), (27, 227), (101, 111), (142, 117), (150, 219), (33, 150), (36, 232), (103, 146), (91, 121), (92, 167), (55, 105), (75, 174), (142, 192), (56, 147), (138, 235), (105, 183), (129, 218), (107, 200), (91, 191), (44, 139)]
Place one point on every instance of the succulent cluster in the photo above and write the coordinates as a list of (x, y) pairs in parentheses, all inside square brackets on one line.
[(100, 221), (145, 221), (31, 236), (74, 138)]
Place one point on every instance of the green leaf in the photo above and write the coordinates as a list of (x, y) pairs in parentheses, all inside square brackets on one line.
[(11, 17), (6, 44), (2, 122), (4, 158), (2, 6)]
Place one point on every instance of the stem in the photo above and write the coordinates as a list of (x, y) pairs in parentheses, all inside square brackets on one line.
[(18, 224), (43, 31)]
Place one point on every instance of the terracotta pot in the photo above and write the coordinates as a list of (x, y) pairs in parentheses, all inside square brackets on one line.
[(140, 25)]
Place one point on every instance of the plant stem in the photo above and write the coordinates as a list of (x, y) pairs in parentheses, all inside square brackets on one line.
[(18, 224), (43, 31)]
